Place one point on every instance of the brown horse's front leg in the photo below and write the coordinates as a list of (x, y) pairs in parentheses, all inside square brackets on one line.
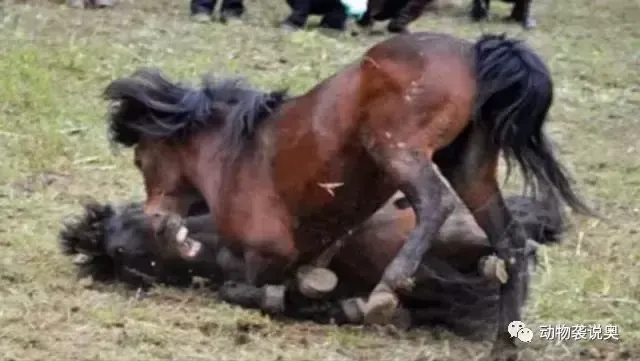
[(311, 281), (432, 202)]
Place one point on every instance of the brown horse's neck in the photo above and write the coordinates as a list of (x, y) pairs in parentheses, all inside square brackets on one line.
[(311, 130), (256, 196)]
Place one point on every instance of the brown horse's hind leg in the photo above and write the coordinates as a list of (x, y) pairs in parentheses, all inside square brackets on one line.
[(473, 174), (432, 202)]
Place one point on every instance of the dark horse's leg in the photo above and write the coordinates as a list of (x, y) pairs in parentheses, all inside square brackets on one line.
[(432, 201), (480, 9), (407, 14)]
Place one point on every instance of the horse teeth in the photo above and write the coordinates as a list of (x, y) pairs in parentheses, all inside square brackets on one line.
[(181, 236), (194, 249)]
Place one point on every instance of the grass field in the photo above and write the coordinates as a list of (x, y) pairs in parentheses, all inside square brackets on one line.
[(54, 63)]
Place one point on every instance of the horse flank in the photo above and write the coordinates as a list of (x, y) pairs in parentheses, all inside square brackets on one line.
[(147, 104)]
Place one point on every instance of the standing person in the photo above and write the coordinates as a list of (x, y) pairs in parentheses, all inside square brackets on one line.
[(334, 15), (400, 13), (91, 3), (202, 10)]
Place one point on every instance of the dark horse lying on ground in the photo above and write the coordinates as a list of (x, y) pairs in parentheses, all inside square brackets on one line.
[(113, 243), (427, 114)]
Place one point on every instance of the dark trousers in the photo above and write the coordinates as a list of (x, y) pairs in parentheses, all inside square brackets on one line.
[(400, 12), (519, 12), (235, 7), (333, 13)]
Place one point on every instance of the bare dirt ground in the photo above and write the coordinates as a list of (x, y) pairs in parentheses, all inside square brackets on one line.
[(54, 63)]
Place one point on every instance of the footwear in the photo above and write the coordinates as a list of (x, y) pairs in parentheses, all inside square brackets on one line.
[(201, 18), (79, 4), (289, 26), (397, 27), (229, 16), (104, 3)]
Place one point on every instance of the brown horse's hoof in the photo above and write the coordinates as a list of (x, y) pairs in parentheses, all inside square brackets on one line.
[(494, 269), (315, 282), (380, 308), (401, 319)]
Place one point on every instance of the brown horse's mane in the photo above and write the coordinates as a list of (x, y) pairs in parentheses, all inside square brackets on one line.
[(146, 104)]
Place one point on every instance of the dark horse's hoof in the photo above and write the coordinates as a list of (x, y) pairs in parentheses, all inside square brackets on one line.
[(270, 298), (316, 282)]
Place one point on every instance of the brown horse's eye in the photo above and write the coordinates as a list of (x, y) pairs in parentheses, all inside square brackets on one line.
[(137, 163)]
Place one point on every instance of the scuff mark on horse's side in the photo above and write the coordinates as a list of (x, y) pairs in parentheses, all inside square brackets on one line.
[(329, 187)]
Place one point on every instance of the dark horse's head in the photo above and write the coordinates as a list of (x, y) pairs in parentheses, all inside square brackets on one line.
[(114, 243), (86, 237), (175, 129)]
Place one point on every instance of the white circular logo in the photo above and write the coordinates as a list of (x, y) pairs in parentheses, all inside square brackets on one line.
[(520, 331)]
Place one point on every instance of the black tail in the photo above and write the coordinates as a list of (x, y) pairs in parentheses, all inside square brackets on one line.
[(514, 97), (543, 221)]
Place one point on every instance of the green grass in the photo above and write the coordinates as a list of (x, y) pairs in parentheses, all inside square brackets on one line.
[(54, 63)]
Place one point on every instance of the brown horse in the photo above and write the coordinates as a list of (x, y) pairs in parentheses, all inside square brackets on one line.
[(282, 177)]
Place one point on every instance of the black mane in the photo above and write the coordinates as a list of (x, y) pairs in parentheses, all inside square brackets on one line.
[(146, 104)]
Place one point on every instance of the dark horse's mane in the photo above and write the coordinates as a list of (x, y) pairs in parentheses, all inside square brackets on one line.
[(146, 104)]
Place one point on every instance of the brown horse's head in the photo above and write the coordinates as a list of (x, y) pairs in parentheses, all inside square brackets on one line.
[(181, 134)]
